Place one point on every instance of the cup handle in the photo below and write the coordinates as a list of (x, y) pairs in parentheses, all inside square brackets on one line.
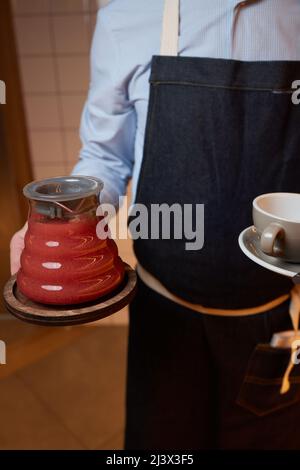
[(269, 237)]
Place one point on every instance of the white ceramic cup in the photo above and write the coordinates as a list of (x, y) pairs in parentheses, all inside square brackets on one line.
[(276, 217)]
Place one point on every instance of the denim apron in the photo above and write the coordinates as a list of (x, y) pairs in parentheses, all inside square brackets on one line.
[(219, 133)]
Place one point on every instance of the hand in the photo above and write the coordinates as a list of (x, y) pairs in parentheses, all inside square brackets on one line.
[(16, 248)]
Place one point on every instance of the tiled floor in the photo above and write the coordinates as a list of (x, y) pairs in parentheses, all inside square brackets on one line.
[(69, 394)]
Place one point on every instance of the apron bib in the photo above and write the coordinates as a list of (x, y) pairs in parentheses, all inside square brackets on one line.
[(219, 132)]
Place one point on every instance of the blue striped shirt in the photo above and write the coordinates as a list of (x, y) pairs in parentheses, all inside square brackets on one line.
[(128, 34)]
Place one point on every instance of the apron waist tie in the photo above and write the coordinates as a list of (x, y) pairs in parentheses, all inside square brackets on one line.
[(158, 287), (294, 311)]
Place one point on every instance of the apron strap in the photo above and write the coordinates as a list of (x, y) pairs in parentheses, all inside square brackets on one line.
[(156, 285), (170, 29), (294, 311)]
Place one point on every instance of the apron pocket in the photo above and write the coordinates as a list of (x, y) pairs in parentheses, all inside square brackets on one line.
[(260, 391)]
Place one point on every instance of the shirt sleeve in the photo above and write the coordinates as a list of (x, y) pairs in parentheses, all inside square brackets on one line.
[(108, 123)]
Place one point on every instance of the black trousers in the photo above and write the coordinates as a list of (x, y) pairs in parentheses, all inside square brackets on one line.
[(206, 382)]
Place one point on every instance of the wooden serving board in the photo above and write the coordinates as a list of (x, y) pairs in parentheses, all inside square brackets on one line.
[(66, 315)]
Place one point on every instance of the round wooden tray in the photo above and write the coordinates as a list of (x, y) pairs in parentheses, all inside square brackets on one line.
[(65, 315)]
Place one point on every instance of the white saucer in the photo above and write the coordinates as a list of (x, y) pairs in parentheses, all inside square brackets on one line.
[(249, 241)]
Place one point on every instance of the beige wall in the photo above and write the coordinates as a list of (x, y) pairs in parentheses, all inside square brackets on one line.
[(53, 38)]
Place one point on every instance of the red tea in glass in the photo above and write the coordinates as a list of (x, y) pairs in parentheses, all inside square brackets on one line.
[(63, 261)]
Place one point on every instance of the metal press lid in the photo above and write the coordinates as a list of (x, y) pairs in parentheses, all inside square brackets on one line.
[(63, 188)]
